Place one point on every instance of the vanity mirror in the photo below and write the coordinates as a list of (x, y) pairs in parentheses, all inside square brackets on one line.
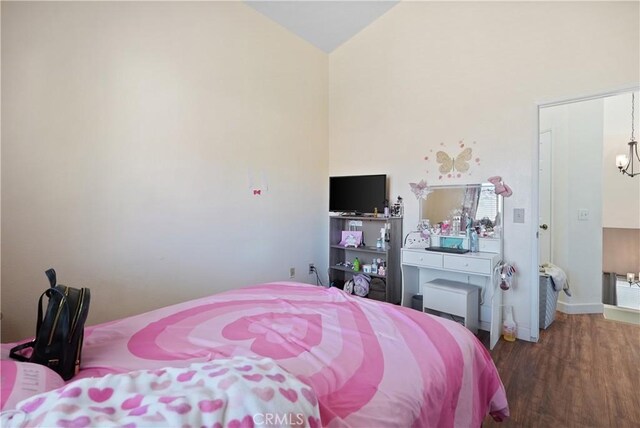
[(446, 210)]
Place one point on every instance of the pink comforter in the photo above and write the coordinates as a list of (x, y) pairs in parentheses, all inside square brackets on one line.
[(370, 364)]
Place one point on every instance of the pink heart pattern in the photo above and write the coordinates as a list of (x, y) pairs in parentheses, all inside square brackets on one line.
[(186, 377), (181, 408), (246, 422), (289, 394), (314, 422), (209, 406), (218, 372), (71, 392), (32, 406), (132, 403), (270, 331), (265, 394), (277, 377), (157, 417), (139, 411), (179, 396), (79, 422), (309, 395), (105, 410), (99, 395), (244, 322), (198, 384), (227, 382), (66, 408), (256, 377), (159, 386)]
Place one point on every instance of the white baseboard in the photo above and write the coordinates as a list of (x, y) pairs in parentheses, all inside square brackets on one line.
[(524, 333), (580, 308), (616, 313)]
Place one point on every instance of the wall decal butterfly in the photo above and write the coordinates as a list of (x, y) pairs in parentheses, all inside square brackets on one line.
[(421, 189), (460, 163)]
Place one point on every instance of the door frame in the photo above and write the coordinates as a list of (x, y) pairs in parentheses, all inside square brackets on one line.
[(535, 294), (551, 222)]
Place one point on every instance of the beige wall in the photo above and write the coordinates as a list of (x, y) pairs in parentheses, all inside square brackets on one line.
[(131, 128), (621, 194), (621, 250), (131, 133), (428, 73)]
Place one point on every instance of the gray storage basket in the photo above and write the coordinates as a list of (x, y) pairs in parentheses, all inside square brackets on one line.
[(548, 301)]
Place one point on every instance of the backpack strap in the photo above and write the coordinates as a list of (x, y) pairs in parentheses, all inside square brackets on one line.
[(40, 313), (14, 351), (51, 274)]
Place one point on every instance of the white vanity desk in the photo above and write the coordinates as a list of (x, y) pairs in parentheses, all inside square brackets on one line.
[(471, 273), (422, 266)]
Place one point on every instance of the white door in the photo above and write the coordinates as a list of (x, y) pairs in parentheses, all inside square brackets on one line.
[(544, 221)]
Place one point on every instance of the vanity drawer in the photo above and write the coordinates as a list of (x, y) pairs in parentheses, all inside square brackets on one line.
[(468, 264), (422, 258)]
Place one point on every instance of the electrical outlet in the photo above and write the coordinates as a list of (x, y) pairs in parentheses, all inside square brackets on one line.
[(312, 268), (292, 272)]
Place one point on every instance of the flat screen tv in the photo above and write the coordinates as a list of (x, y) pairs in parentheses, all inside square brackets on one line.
[(357, 194)]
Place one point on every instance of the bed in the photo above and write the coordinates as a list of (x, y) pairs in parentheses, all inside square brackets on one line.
[(368, 363)]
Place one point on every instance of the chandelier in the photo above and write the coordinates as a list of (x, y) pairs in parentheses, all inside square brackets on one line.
[(625, 162)]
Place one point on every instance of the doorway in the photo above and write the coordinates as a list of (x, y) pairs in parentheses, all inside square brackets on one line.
[(575, 193)]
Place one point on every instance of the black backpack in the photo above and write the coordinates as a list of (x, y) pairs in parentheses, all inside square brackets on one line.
[(59, 334)]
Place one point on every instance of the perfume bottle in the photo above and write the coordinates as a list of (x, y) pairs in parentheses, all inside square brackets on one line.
[(398, 208), (509, 326), (474, 243), (455, 226)]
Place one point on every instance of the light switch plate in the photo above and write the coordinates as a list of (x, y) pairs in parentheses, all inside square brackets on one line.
[(583, 214), (518, 215)]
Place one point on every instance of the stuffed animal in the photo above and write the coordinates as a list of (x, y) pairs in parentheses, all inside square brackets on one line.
[(501, 186)]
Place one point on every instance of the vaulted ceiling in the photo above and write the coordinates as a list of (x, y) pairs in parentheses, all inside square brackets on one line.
[(325, 24)]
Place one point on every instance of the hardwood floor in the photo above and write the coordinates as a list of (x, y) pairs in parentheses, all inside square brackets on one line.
[(584, 372)]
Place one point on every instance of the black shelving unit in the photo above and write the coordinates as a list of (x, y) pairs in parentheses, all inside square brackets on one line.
[(370, 227)]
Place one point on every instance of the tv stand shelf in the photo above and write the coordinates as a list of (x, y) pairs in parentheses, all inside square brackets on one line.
[(372, 250), (370, 228), (353, 272)]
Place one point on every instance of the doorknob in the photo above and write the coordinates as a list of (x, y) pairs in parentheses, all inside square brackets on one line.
[(544, 227)]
